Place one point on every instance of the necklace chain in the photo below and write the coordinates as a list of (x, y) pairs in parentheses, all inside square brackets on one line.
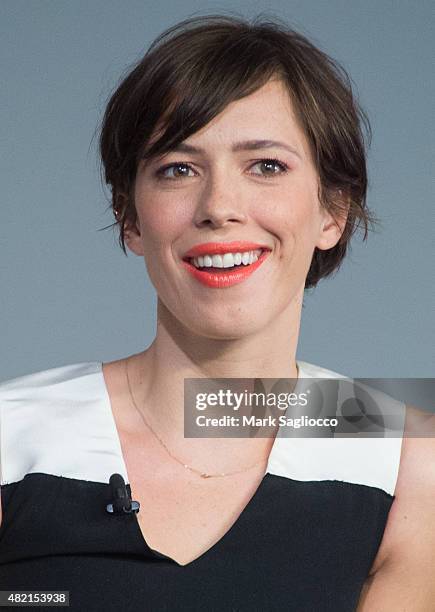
[(185, 465)]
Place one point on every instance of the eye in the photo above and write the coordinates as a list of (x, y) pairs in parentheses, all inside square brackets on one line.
[(161, 173), (270, 165)]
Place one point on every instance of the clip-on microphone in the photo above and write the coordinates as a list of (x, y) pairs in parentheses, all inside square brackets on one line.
[(122, 502)]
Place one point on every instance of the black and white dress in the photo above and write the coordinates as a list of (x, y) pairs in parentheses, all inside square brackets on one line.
[(305, 541)]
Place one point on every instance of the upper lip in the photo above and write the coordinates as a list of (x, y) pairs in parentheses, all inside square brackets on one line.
[(215, 248)]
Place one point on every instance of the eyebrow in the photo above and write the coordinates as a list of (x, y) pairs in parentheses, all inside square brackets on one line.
[(245, 145)]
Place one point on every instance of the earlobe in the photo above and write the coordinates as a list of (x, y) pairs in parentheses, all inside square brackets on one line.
[(133, 240), (132, 233), (333, 225), (330, 234)]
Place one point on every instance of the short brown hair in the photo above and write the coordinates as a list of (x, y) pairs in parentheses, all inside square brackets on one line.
[(195, 68)]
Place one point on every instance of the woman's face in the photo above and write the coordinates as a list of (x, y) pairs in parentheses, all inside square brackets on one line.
[(219, 194)]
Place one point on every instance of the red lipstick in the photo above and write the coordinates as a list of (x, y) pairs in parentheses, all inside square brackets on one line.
[(224, 277)]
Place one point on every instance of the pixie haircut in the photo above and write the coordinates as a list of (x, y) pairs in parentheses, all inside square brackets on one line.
[(194, 69)]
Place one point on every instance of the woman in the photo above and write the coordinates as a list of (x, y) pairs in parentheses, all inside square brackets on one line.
[(236, 160)]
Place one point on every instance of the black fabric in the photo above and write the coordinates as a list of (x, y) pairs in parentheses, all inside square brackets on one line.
[(297, 546)]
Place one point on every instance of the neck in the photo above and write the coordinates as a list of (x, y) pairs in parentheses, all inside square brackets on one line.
[(157, 375)]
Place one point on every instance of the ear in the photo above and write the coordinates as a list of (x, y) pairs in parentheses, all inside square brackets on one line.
[(132, 232), (133, 237), (134, 242), (332, 227)]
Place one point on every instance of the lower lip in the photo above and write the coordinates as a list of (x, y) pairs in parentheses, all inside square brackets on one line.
[(228, 277)]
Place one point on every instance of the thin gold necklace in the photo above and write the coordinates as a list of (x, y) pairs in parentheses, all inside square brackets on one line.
[(188, 467)]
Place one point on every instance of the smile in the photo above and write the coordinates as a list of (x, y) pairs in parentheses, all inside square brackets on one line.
[(224, 269), (226, 260)]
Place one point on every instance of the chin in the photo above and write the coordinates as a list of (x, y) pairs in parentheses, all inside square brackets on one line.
[(226, 329)]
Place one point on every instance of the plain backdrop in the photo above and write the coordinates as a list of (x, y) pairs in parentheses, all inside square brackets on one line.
[(69, 294)]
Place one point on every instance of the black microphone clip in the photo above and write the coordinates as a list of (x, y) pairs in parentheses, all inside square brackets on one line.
[(122, 502)]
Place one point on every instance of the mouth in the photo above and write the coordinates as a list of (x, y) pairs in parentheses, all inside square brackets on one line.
[(225, 270)]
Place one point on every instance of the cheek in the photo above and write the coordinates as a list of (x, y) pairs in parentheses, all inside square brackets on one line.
[(292, 216), (161, 221)]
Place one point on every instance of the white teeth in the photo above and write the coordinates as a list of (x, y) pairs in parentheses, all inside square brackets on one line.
[(217, 261), (226, 260)]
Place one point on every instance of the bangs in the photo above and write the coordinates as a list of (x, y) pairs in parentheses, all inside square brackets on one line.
[(184, 101)]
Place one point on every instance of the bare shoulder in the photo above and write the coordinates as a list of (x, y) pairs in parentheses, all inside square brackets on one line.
[(410, 529), (401, 577)]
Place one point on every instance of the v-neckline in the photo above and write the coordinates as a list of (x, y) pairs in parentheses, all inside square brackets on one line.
[(251, 502), (212, 549)]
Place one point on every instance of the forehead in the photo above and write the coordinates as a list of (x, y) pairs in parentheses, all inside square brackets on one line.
[(266, 114)]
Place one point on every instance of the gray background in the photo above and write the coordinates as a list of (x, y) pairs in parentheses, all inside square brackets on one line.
[(68, 294)]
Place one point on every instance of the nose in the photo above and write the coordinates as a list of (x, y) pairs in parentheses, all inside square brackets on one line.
[(219, 204)]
